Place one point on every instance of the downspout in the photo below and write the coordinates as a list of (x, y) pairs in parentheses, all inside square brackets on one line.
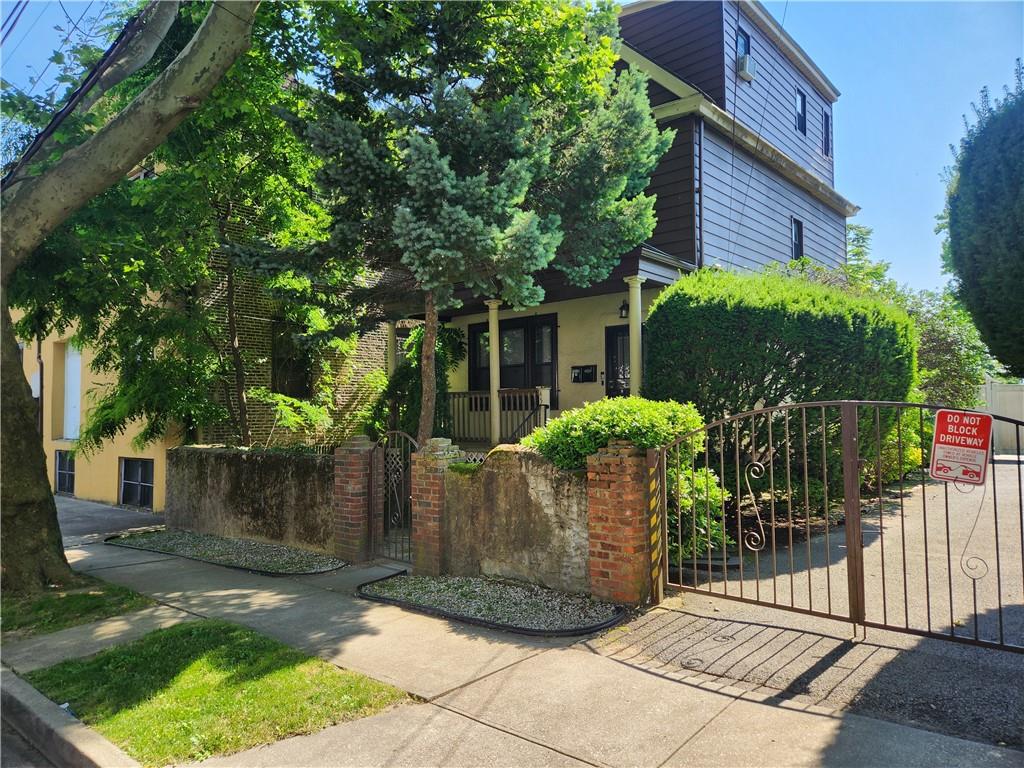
[(700, 193), (39, 362)]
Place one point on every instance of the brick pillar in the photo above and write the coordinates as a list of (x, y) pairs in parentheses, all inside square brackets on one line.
[(429, 464), (619, 527), (352, 499)]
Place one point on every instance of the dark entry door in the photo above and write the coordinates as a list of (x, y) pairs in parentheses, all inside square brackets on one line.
[(616, 360)]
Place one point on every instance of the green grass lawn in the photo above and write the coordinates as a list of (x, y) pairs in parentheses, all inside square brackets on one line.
[(205, 688), (81, 600)]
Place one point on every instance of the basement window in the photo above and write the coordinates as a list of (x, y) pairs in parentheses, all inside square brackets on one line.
[(65, 474), (137, 483)]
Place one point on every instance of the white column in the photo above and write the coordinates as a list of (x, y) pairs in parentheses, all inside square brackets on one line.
[(494, 366), (636, 319), (392, 348)]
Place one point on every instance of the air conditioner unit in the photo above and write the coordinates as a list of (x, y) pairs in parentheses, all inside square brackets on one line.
[(746, 67)]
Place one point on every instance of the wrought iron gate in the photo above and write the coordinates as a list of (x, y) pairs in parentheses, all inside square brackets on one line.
[(826, 509), (390, 496)]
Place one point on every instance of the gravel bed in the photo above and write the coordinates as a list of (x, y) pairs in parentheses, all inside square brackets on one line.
[(238, 553), (510, 604)]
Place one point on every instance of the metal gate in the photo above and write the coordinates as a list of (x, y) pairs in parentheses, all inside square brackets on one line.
[(390, 496), (826, 508)]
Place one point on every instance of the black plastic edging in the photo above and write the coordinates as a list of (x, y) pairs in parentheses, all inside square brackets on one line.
[(621, 613), (111, 540)]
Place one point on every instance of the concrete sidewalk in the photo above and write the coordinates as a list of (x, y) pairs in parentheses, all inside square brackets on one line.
[(498, 699)]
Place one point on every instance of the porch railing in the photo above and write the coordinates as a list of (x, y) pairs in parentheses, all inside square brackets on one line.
[(521, 411)]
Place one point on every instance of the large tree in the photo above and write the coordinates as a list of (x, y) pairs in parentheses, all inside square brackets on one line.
[(147, 272), (37, 198), (472, 145), (985, 218)]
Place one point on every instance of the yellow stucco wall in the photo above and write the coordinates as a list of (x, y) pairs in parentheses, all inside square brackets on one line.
[(581, 331), (97, 476)]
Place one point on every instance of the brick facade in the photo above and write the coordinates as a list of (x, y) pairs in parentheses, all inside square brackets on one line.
[(429, 465), (619, 527), (352, 490), (358, 374)]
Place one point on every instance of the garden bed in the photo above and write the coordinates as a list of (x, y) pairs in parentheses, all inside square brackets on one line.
[(254, 556), (495, 603)]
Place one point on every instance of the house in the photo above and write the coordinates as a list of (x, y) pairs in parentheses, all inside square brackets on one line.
[(63, 384), (749, 181)]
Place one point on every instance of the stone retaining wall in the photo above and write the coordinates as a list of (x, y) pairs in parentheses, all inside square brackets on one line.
[(284, 498), (517, 516)]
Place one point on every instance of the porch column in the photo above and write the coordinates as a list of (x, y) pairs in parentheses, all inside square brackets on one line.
[(636, 319), (392, 348), (494, 367)]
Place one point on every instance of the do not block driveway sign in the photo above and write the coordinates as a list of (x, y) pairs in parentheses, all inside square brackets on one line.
[(960, 446)]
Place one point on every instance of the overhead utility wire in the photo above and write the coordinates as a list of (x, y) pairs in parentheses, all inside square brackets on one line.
[(12, 18), (131, 29)]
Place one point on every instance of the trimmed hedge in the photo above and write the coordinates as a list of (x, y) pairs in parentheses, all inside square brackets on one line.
[(731, 343), (568, 440)]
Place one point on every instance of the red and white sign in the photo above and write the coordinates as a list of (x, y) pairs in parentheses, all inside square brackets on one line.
[(960, 446)]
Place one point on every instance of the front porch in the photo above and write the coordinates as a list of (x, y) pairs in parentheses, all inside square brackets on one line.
[(576, 347)]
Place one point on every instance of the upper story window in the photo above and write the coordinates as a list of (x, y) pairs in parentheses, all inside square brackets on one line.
[(797, 237), (292, 370), (801, 112), (742, 43), (826, 134)]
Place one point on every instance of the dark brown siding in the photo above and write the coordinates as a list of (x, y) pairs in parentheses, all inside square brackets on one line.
[(768, 104), (747, 210), (673, 183), (684, 38)]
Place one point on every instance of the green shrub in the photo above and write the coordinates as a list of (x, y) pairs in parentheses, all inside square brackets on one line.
[(730, 343), (568, 440), (695, 513), (398, 406)]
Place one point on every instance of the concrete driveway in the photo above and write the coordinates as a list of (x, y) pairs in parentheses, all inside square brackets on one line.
[(83, 522), (922, 546)]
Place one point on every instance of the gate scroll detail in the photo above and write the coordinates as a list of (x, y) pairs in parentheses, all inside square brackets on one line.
[(826, 508)]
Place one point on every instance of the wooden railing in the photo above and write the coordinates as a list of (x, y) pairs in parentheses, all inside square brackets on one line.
[(469, 414)]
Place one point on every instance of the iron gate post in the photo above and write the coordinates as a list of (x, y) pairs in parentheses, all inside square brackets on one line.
[(851, 508), (656, 493)]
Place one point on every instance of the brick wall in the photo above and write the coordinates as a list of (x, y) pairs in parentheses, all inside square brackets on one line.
[(352, 490), (429, 466), (620, 544)]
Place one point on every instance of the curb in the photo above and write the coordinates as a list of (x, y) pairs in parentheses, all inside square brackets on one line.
[(61, 738)]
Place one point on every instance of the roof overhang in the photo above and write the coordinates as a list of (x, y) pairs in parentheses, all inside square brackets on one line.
[(690, 101), (767, 24), (757, 146)]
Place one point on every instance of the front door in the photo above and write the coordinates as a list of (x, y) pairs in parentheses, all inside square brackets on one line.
[(616, 360)]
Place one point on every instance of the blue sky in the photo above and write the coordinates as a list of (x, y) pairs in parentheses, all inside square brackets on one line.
[(907, 71)]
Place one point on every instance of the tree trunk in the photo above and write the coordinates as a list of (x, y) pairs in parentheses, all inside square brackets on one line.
[(428, 378), (31, 553), (244, 433)]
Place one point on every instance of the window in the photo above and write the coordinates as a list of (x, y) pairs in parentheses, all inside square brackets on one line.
[(65, 472), (292, 372), (528, 352), (797, 230), (826, 134), (137, 483), (742, 43), (801, 112)]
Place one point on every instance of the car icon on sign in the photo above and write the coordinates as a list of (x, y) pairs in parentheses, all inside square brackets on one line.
[(943, 468), (973, 474)]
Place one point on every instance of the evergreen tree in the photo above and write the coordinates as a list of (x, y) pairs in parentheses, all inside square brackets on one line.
[(472, 145)]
